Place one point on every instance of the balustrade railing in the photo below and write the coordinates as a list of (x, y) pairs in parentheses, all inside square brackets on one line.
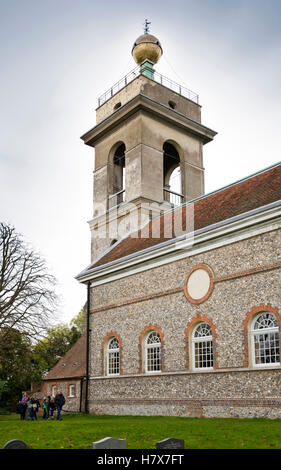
[(174, 198), (167, 82), (116, 199)]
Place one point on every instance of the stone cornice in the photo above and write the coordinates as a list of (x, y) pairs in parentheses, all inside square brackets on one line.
[(142, 103)]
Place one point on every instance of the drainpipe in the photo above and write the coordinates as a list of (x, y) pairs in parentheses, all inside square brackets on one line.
[(87, 346), (81, 389)]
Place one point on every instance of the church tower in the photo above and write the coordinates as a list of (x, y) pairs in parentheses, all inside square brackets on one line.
[(148, 142)]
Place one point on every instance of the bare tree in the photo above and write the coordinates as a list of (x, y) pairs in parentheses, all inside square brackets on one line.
[(27, 295)]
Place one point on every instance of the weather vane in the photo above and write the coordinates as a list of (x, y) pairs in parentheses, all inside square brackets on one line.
[(146, 26)]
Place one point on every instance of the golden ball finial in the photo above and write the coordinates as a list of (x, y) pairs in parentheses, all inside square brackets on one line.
[(147, 47)]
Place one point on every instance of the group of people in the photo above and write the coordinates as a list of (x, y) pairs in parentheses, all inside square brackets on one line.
[(49, 406)]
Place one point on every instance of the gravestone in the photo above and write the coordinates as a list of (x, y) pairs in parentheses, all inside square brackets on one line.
[(109, 443), (15, 444), (170, 443)]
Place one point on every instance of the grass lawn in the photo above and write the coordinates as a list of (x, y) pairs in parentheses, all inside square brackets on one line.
[(142, 432)]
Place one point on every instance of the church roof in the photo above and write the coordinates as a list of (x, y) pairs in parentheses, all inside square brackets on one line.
[(72, 364), (251, 193)]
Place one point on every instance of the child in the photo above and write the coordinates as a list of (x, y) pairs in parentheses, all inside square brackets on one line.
[(45, 408), (52, 407), (37, 402)]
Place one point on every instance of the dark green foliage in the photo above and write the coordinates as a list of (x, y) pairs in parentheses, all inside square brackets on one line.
[(15, 366), (22, 362)]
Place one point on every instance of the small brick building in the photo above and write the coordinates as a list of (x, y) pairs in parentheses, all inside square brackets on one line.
[(68, 375)]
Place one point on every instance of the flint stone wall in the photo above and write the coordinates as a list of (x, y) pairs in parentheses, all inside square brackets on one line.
[(226, 308)]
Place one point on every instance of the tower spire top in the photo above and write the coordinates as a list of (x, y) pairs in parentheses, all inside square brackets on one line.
[(146, 26), (147, 47)]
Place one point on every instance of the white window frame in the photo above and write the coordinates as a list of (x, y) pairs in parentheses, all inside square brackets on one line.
[(71, 394), (201, 339), (109, 353), (54, 390), (259, 332), (152, 346)]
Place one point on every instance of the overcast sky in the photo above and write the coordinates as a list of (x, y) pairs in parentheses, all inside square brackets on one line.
[(57, 57)]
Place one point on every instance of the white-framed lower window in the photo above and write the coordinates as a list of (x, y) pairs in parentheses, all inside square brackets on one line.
[(265, 340), (113, 357), (202, 347), (71, 391), (153, 352), (54, 390)]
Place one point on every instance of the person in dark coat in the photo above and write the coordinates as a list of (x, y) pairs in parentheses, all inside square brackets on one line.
[(23, 405), (48, 406), (32, 409), (59, 402), (37, 402)]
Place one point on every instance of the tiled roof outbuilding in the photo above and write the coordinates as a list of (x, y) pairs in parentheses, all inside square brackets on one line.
[(72, 364)]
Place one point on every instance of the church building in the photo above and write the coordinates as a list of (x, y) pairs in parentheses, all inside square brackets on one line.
[(184, 298)]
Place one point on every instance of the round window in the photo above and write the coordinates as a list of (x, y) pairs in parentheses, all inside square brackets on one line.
[(199, 284)]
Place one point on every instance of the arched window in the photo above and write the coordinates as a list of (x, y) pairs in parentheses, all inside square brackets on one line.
[(153, 352), (172, 175), (113, 357), (202, 347), (265, 340), (119, 171)]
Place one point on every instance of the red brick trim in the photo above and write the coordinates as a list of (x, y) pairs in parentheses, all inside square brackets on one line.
[(211, 287), (246, 329), (188, 332), (51, 389), (150, 327), (248, 272), (109, 335), (135, 300), (68, 390), (48, 386)]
